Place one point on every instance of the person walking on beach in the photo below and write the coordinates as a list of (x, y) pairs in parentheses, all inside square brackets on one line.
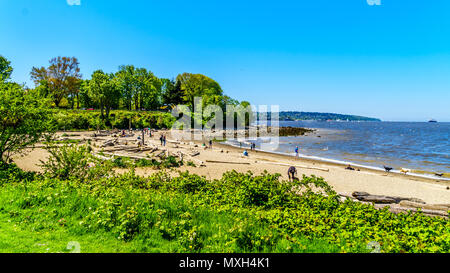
[(210, 143), (161, 139), (296, 151), (164, 140), (292, 171)]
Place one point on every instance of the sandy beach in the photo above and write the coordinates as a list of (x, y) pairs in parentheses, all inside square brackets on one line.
[(432, 191)]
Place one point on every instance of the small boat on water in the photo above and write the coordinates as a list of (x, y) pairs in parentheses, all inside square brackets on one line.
[(432, 121)]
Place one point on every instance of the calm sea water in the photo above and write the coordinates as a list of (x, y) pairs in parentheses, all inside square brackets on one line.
[(411, 145)]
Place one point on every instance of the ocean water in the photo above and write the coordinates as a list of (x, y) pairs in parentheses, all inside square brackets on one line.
[(410, 145)]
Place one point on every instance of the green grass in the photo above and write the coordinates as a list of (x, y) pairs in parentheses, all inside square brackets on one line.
[(16, 238), (36, 229), (240, 213)]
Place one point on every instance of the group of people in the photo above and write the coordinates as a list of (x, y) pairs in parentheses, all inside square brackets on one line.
[(210, 144), (148, 131)]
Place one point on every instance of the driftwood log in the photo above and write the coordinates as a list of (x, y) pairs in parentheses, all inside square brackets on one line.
[(135, 157), (440, 210), (409, 204), (433, 213), (381, 199), (228, 162)]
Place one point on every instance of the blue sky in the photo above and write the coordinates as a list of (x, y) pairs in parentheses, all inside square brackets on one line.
[(390, 61)]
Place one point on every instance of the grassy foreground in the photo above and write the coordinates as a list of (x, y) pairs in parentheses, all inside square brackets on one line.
[(239, 213)]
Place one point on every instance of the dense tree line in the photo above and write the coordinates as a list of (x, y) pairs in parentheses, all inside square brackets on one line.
[(130, 88), (26, 115)]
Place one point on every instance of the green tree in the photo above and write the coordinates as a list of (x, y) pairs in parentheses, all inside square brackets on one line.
[(149, 90), (85, 98), (172, 94), (127, 83), (62, 79), (104, 91), (24, 119), (198, 85), (5, 69)]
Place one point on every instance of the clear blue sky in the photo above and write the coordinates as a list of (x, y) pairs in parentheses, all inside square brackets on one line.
[(390, 61)]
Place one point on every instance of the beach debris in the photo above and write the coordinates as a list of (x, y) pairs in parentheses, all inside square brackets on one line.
[(381, 199), (410, 204), (108, 143), (397, 209), (199, 162), (162, 153), (228, 162), (196, 153), (377, 199), (135, 157), (388, 169)]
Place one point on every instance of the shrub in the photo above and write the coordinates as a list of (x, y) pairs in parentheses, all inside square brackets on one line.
[(74, 161), (24, 119), (10, 173), (120, 119), (237, 213)]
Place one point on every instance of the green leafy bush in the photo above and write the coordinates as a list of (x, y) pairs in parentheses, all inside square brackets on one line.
[(74, 161), (238, 213), (163, 163), (10, 173), (120, 119)]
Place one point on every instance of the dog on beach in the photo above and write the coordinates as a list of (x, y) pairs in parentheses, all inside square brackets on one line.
[(388, 169), (405, 171)]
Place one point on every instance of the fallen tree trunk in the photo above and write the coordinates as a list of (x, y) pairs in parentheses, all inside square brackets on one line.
[(381, 199), (135, 157), (409, 204), (426, 212), (227, 162), (201, 163)]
